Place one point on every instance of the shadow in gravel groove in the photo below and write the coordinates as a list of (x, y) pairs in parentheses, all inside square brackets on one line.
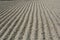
[(17, 29), (31, 23), (42, 23), (16, 16), (13, 25), (36, 32), (7, 26), (47, 22), (25, 25), (52, 22), (4, 22)]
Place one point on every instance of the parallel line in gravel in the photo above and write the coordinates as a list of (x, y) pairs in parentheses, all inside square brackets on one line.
[(42, 22), (6, 17), (21, 30), (54, 15), (55, 37), (14, 32), (5, 21), (3, 11), (6, 26), (40, 36), (27, 23), (11, 20), (16, 10), (15, 21), (10, 7), (30, 24), (48, 27), (56, 27), (8, 12), (54, 24), (36, 32), (33, 31), (56, 18)]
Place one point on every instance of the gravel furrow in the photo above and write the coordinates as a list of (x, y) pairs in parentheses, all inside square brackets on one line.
[(29, 20)]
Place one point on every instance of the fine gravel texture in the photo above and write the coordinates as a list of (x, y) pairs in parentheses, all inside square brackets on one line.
[(29, 20)]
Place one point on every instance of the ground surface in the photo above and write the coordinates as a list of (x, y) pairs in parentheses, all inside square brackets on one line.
[(28, 20)]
